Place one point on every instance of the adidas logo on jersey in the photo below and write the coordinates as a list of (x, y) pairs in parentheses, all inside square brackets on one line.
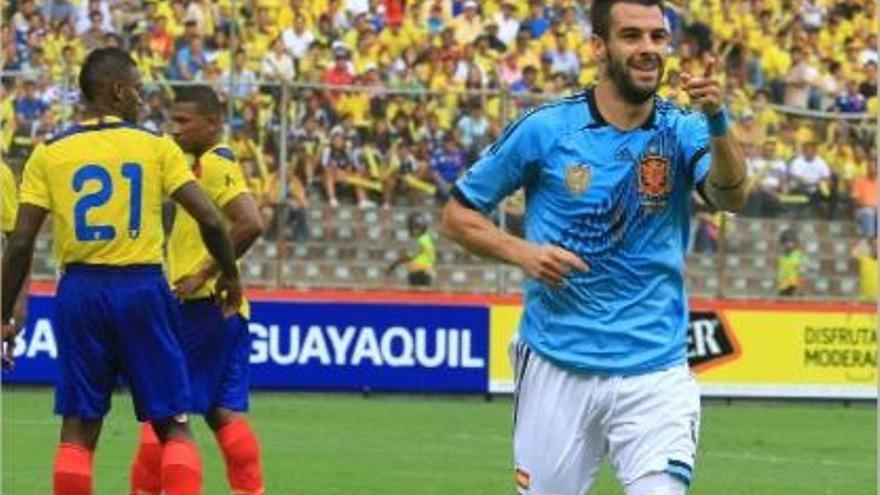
[(623, 155)]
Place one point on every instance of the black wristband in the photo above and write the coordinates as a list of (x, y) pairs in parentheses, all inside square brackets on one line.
[(728, 187)]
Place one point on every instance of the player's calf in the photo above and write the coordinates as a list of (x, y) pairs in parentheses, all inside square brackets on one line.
[(146, 469), (241, 451), (181, 464), (72, 471)]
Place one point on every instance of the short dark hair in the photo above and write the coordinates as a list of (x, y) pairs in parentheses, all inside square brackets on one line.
[(600, 14), (203, 97), (103, 66)]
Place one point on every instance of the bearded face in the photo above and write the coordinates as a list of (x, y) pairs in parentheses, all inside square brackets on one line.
[(634, 50)]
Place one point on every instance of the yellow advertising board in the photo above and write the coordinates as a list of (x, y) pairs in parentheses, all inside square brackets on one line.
[(766, 350)]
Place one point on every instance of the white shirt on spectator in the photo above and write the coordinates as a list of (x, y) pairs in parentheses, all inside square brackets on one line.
[(799, 79), (83, 23), (197, 13), (244, 84), (770, 173), (810, 172), (831, 87), (812, 15), (868, 55), (357, 6), (566, 62), (277, 67), (20, 22), (297, 44), (507, 28)]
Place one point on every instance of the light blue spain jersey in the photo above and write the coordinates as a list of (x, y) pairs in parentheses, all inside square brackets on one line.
[(619, 200)]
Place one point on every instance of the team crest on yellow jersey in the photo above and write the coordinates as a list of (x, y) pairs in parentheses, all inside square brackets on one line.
[(577, 178)]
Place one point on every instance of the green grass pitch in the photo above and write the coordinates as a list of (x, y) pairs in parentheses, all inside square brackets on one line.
[(395, 445)]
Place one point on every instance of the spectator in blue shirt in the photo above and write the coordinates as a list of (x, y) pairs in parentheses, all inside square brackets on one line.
[(189, 60), (850, 100), (29, 107), (528, 82), (447, 164), (537, 22), (56, 11)]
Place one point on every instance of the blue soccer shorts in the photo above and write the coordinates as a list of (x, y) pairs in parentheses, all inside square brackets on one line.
[(217, 351), (118, 321)]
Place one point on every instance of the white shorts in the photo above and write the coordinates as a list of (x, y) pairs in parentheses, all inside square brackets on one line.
[(566, 422)]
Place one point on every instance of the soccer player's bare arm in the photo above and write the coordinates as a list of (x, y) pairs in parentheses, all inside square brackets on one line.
[(726, 186), (246, 226), (478, 234), (727, 183), (17, 266)]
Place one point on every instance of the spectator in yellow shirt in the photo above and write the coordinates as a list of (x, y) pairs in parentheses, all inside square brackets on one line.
[(468, 25), (792, 263), (866, 256), (395, 39)]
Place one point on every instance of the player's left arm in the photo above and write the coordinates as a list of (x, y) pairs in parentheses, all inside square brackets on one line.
[(245, 227), (16, 267), (726, 184)]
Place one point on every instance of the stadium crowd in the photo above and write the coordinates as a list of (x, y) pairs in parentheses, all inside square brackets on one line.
[(411, 129)]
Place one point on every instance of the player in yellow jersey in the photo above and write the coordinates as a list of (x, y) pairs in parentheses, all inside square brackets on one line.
[(216, 347), (8, 212), (8, 199), (102, 182)]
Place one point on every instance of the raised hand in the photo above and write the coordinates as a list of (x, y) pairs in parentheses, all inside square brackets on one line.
[(705, 91)]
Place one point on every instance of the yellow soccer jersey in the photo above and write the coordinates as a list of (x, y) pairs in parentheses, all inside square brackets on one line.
[(8, 199), (220, 176), (103, 182)]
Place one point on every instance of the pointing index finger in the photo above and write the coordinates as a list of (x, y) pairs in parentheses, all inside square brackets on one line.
[(710, 66)]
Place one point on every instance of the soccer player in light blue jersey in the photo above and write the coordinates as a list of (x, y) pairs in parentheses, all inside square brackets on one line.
[(600, 361)]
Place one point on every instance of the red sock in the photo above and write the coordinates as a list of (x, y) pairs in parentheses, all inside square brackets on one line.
[(146, 469), (242, 455), (181, 468), (72, 473)]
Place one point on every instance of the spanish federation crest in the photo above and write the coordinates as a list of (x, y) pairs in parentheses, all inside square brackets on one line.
[(654, 181), (577, 178)]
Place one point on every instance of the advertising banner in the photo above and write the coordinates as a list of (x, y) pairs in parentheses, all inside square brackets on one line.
[(326, 346), (783, 351), (432, 344)]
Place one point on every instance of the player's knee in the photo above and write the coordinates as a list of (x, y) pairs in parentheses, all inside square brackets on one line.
[(81, 431), (173, 428), (657, 484), (219, 417)]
